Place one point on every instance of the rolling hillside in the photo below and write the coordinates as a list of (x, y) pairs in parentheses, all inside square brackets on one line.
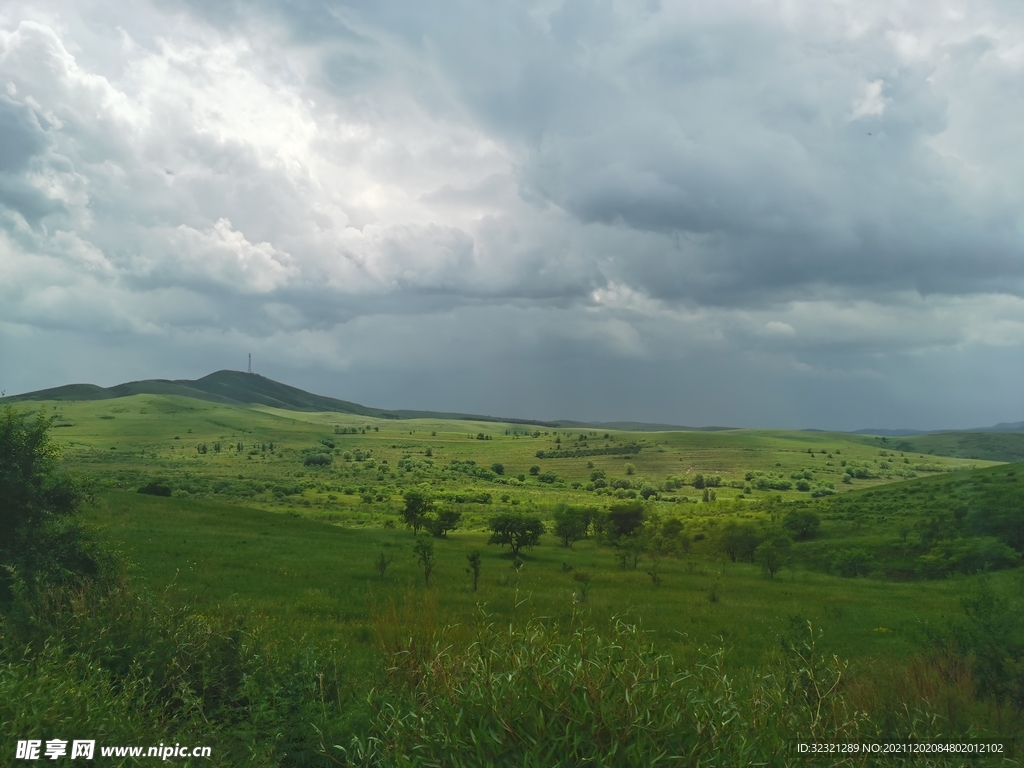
[(239, 388)]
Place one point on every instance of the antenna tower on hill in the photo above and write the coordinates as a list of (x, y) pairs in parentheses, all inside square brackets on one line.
[(250, 362)]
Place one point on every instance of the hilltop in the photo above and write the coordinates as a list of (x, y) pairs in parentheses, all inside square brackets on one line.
[(239, 388)]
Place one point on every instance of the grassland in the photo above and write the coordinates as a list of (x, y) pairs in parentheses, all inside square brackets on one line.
[(129, 440), (259, 526), (252, 527), (319, 578)]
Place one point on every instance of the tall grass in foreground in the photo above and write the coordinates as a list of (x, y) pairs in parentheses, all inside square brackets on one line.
[(543, 695), (108, 662), (105, 661)]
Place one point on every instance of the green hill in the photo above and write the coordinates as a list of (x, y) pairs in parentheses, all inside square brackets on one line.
[(962, 522), (987, 446), (229, 387)]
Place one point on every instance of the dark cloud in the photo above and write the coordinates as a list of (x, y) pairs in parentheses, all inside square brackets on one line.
[(703, 213)]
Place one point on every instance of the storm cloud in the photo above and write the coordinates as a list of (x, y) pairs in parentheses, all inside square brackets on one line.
[(792, 214)]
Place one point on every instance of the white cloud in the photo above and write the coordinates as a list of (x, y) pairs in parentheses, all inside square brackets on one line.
[(872, 103)]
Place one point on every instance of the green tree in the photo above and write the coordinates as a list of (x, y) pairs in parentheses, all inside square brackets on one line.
[(382, 563), (739, 542), (445, 520), (672, 528), (570, 524), (803, 523), (497, 468), (771, 556), (417, 504), (625, 519), (423, 550), (515, 531), (474, 566)]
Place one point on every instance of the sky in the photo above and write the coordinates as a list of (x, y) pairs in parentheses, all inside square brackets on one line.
[(771, 213)]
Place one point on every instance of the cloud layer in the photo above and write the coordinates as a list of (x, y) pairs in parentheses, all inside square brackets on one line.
[(690, 212)]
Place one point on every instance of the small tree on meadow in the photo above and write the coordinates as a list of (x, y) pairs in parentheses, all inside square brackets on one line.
[(804, 524), (626, 519), (417, 504), (474, 567), (423, 549), (515, 531), (445, 520), (570, 524), (382, 563), (584, 580), (771, 555)]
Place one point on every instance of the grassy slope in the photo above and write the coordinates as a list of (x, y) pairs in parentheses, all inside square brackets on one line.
[(992, 446), (318, 577), (131, 439), (315, 578)]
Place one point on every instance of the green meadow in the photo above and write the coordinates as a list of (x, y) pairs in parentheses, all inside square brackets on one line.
[(319, 578), (284, 520)]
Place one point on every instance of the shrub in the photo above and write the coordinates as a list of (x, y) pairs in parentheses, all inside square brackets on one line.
[(155, 489), (803, 523), (121, 667), (853, 562), (967, 555), (41, 539)]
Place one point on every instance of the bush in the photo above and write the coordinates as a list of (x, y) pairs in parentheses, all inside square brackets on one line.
[(41, 539), (155, 489), (317, 460), (804, 524), (122, 668), (967, 555), (850, 563)]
